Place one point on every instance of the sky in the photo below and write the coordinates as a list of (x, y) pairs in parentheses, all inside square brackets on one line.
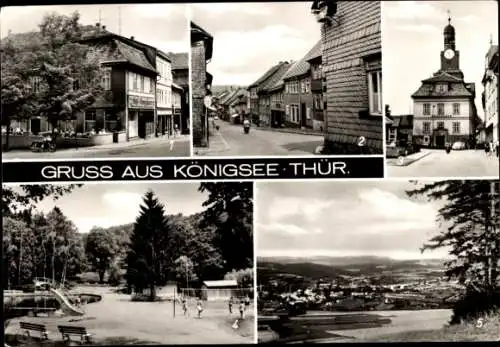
[(164, 26), (412, 39), (354, 218), (109, 204), (249, 38)]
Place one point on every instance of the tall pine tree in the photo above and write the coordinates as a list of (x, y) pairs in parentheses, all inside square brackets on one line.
[(471, 219), (146, 267)]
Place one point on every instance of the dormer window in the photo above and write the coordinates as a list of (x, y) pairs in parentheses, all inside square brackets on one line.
[(441, 88)]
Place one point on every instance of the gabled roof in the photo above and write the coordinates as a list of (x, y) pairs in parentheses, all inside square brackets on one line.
[(302, 66), (134, 56), (315, 52), (442, 76), (222, 283), (234, 98), (428, 90), (276, 78), (266, 75), (180, 61), (227, 97)]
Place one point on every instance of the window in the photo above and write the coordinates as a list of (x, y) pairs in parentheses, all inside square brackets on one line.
[(106, 78), (440, 125), (152, 84), (456, 127), (90, 121), (456, 108), (147, 85), (141, 84), (318, 101), (36, 83), (112, 122), (308, 113), (441, 88), (135, 84), (427, 109), (427, 128), (440, 109), (375, 92), (308, 86), (294, 113), (302, 87)]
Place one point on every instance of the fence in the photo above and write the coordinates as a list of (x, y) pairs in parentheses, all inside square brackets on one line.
[(216, 294)]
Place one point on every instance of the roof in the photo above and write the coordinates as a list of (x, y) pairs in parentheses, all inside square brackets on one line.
[(221, 283), (442, 76), (402, 120), (199, 32), (460, 88), (276, 78), (315, 52), (179, 61), (227, 97), (302, 66), (266, 75), (134, 56), (164, 55)]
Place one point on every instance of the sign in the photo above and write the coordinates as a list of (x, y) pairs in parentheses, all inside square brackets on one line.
[(135, 101), (361, 141)]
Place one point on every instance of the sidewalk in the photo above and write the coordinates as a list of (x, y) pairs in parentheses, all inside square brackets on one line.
[(406, 161), (292, 131), (217, 146)]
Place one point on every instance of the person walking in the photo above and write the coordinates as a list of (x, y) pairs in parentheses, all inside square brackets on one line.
[(247, 302), (242, 309), (184, 306), (199, 308), (230, 305)]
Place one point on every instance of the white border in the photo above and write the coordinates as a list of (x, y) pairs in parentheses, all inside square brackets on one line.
[(255, 290), (189, 17)]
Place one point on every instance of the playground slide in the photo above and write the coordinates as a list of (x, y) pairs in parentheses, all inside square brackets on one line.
[(66, 306)]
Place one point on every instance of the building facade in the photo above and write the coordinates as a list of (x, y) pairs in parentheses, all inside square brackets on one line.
[(316, 70), (490, 95), (180, 73), (164, 96), (352, 71), (267, 94), (201, 53), (443, 106)]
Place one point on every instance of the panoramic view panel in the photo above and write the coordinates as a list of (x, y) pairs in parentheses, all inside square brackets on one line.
[(389, 261), (95, 81), (109, 264)]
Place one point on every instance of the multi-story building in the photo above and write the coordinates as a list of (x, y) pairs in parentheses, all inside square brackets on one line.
[(490, 95), (180, 72), (352, 68), (298, 97), (443, 106), (276, 92), (316, 69), (164, 99), (267, 94), (201, 81), (177, 99)]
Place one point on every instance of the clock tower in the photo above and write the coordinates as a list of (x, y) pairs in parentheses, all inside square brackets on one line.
[(450, 56)]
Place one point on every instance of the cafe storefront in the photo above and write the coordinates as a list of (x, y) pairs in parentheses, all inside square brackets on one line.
[(141, 116)]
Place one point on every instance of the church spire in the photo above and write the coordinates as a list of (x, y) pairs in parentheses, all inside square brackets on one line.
[(449, 34)]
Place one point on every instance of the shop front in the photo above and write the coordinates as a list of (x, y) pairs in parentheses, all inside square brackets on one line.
[(141, 116)]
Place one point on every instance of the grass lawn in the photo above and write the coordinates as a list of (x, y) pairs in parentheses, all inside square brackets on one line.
[(117, 320)]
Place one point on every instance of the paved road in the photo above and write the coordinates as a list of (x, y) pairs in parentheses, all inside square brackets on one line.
[(469, 163), (155, 148), (231, 141)]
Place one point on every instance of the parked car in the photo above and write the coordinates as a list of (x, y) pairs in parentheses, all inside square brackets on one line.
[(458, 146)]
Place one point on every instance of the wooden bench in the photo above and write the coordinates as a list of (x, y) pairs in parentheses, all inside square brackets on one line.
[(27, 327), (68, 330)]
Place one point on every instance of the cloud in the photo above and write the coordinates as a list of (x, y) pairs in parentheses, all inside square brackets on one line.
[(310, 208), (411, 10), (467, 19), (84, 225), (220, 8), (418, 28), (124, 203), (289, 229), (159, 10)]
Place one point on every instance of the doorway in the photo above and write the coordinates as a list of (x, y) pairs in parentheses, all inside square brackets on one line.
[(440, 141), (35, 126), (141, 125), (303, 119)]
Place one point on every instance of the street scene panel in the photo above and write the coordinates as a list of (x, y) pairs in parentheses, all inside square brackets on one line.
[(148, 264), (421, 265), (441, 116), (95, 81), (290, 78)]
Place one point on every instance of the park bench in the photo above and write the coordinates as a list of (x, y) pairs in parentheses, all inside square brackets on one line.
[(27, 327), (68, 330)]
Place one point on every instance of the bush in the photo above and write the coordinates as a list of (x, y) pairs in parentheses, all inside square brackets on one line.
[(114, 277), (474, 305)]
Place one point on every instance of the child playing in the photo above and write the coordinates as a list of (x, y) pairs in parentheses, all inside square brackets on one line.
[(184, 306), (242, 309), (199, 307)]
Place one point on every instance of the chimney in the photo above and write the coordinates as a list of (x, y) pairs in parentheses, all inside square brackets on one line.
[(132, 38)]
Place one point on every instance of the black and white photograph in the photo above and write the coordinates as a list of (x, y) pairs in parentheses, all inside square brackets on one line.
[(95, 81), (391, 261), (286, 78), (136, 264), (441, 88)]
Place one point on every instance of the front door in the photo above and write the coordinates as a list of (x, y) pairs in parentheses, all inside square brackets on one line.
[(35, 126), (303, 118), (141, 125), (440, 141)]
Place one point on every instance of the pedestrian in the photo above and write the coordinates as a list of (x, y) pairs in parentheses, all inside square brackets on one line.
[(492, 149), (247, 302), (184, 306), (487, 148), (199, 307), (497, 149), (242, 309), (230, 305)]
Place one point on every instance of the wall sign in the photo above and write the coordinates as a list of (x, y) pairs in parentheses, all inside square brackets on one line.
[(141, 102)]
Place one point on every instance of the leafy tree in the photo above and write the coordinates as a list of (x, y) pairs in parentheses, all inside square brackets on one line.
[(101, 249), (145, 266), (184, 269), (229, 208), (23, 197), (69, 73), (470, 229), (244, 277)]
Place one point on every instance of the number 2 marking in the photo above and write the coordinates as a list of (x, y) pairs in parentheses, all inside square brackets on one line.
[(361, 141)]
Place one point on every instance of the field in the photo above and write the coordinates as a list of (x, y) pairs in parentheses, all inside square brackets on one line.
[(117, 320)]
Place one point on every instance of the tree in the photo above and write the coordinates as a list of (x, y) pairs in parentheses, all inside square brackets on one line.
[(184, 269), (24, 197), (101, 249), (145, 267), (69, 73), (229, 208), (470, 228), (244, 277), (17, 99)]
